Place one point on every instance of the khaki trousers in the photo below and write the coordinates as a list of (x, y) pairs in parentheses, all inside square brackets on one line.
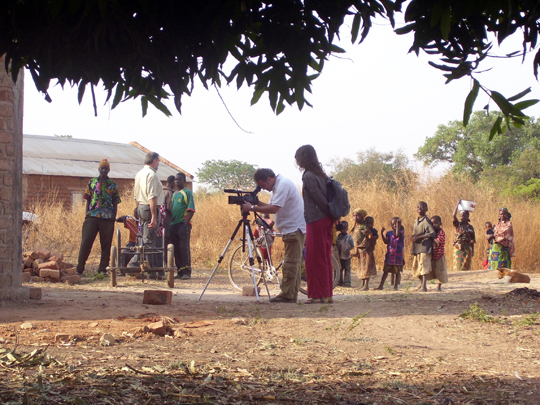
[(292, 264)]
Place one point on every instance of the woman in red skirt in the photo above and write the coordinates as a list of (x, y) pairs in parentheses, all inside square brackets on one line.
[(319, 230)]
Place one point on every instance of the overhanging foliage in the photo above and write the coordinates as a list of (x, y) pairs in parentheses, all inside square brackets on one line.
[(148, 48)]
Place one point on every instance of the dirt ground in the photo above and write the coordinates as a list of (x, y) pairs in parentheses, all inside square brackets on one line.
[(379, 347)]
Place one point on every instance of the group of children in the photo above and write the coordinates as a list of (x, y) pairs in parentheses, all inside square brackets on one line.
[(428, 249)]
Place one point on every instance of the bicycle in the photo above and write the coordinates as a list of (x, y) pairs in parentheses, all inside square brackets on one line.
[(240, 270)]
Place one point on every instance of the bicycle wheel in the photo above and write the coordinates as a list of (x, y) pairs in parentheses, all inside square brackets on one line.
[(335, 268), (240, 271)]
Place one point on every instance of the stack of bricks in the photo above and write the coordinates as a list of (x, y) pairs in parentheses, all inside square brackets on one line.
[(44, 265)]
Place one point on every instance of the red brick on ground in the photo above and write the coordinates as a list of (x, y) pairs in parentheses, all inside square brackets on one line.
[(49, 273), (157, 297), (35, 293), (28, 261), (73, 279), (56, 258), (48, 265), (158, 328), (26, 277), (44, 254), (33, 255), (69, 272)]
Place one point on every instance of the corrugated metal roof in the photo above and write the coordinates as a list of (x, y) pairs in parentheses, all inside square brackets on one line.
[(59, 156)]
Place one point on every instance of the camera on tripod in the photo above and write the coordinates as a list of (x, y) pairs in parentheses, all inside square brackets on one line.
[(243, 197)]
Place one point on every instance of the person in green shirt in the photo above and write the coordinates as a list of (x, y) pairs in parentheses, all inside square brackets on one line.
[(183, 209)]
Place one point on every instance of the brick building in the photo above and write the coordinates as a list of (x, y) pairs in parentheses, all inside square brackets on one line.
[(62, 166)]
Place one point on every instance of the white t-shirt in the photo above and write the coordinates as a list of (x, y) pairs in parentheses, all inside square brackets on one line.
[(290, 216)]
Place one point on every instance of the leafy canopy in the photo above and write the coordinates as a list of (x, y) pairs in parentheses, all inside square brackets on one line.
[(390, 170), (220, 174), (510, 163), (152, 48)]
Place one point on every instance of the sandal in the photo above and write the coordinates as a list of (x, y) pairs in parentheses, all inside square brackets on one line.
[(315, 301)]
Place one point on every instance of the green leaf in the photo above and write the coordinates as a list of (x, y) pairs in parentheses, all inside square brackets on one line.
[(496, 128), (336, 49), (355, 27), (519, 95), (502, 102), (82, 87), (256, 96), (280, 106), (144, 105), (446, 20), (406, 29), (525, 104), (469, 103), (159, 105), (118, 95), (436, 14)]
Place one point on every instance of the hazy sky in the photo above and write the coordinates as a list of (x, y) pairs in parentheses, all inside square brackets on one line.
[(374, 96)]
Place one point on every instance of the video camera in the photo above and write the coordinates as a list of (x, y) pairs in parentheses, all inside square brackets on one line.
[(243, 196)]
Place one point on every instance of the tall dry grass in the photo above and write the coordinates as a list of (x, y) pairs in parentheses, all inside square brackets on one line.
[(215, 220)]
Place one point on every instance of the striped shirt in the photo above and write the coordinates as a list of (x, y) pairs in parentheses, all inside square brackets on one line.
[(438, 249)]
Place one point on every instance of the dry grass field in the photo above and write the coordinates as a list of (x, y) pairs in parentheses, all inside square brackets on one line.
[(215, 220)]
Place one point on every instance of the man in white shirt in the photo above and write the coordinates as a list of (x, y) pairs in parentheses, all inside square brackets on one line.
[(148, 194), (287, 205)]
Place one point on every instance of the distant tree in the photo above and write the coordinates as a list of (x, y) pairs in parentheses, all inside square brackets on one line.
[(508, 163), (220, 174), (469, 150), (390, 169)]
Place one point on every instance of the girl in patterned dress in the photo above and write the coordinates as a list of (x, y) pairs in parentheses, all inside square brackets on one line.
[(394, 261)]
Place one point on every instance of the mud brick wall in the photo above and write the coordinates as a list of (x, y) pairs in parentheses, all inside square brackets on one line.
[(11, 119), (60, 189)]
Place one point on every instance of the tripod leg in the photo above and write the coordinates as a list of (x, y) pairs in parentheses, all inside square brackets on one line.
[(221, 257), (252, 264)]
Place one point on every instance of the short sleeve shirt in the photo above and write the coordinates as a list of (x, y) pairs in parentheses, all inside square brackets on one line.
[(103, 197), (423, 226), (182, 203), (290, 216), (148, 186)]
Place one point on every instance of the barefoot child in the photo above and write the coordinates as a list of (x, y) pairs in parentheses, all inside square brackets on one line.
[(490, 237), (393, 262), (344, 244), (422, 238), (438, 260), (365, 237)]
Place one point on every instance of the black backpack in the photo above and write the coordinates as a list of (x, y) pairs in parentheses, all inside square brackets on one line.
[(338, 199)]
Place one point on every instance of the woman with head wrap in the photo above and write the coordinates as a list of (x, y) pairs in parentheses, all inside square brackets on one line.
[(503, 248), (464, 241)]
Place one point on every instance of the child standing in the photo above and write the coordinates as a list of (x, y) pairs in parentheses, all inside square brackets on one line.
[(394, 261), (365, 238), (490, 237), (422, 238), (438, 260), (344, 243)]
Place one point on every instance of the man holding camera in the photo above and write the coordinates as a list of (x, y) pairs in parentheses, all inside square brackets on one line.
[(288, 208)]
